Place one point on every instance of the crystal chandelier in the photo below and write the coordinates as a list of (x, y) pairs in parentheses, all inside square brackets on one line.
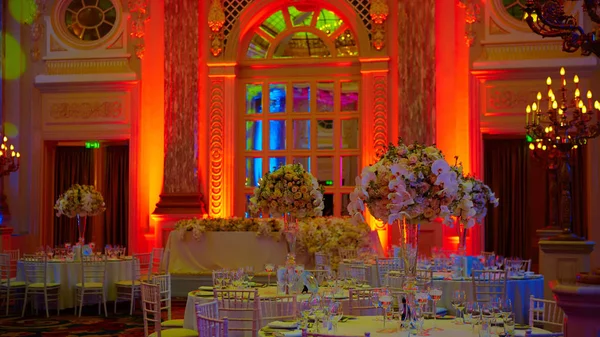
[(548, 19), (9, 158), (568, 122)]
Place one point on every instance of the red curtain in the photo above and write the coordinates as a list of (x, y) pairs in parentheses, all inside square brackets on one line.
[(116, 197), (72, 165)]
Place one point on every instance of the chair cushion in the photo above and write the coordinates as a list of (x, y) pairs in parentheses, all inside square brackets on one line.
[(127, 283), (14, 283), (176, 332), (172, 323), (90, 285), (41, 285)]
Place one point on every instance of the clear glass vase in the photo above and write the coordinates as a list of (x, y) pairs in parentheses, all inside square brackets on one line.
[(81, 222), (290, 231)]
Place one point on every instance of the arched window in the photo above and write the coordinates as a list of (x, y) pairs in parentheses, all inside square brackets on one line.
[(300, 81)]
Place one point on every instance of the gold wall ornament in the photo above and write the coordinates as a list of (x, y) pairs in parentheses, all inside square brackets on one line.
[(379, 11), (472, 14), (38, 7), (86, 110), (139, 17), (216, 20)]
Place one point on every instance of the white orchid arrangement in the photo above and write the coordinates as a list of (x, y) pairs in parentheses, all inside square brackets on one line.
[(408, 181), (288, 190), (84, 200), (474, 198)]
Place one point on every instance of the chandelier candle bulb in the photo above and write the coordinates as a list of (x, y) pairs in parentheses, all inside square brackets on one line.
[(584, 110), (576, 81), (528, 110)]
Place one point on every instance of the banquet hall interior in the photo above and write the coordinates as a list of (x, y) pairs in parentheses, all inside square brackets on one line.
[(299, 168)]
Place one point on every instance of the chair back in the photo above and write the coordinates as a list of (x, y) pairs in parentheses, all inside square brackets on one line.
[(151, 307), (394, 281), (36, 269), (277, 308), (209, 323), (489, 284), (164, 265), (384, 266), (360, 300), (143, 266), (14, 256), (356, 272), (241, 304), (5, 269), (157, 258), (544, 313), (518, 264), (93, 269), (347, 253), (164, 286), (321, 261)]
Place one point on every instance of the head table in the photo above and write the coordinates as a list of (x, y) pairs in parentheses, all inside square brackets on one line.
[(68, 273)]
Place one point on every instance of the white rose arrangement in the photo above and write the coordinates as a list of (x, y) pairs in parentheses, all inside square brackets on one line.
[(413, 182), (84, 200), (288, 190)]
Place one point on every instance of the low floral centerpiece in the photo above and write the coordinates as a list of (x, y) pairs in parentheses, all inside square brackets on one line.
[(292, 192), (80, 201)]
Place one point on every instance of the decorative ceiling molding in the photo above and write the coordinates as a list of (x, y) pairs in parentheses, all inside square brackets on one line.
[(495, 29)]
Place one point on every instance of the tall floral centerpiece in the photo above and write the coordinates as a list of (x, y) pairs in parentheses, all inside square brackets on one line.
[(291, 192), (409, 184), (471, 206), (80, 201)]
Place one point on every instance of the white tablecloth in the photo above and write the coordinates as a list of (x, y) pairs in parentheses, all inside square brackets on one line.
[(194, 297), (518, 291), (69, 273), (362, 324)]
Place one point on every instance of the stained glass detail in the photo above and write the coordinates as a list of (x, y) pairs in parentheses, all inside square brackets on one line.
[(258, 47), (300, 18), (274, 24), (90, 20), (328, 21), (302, 44), (345, 44)]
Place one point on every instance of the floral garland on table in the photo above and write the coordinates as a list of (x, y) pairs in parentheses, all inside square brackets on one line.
[(472, 204), (289, 189), (262, 227), (320, 234), (84, 200), (408, 181)]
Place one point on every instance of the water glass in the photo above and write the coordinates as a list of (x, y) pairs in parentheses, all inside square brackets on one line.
[(509, 325), (458, 303)]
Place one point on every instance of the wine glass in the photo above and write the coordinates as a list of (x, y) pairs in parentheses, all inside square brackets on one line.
[(458, 303), (509, 325), (436, 295), (305, 310), (250, 274), (506, 308), (269, 267), (499, 262), (317, 309), (385, 301), (337, 312)]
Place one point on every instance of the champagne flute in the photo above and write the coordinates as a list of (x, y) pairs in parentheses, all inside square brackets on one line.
[(250, 274), (337, 312), (506, 308), (436, 295), (385, 302)]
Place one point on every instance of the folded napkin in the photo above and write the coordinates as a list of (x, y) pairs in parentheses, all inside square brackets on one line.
[(293, 333), (283, 325), (207, 288)]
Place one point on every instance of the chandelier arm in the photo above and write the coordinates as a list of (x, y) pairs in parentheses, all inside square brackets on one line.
[(590, 7), (534, 6)]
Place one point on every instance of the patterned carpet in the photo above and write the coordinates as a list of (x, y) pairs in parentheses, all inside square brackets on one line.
[(89, 324)]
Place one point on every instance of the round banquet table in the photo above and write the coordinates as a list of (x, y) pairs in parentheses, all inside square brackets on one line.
[(518, 290), (68, 273), (362, 324), (204, 296)]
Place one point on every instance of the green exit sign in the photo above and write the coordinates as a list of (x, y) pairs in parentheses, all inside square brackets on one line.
[(92, 144), (329, 182)]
